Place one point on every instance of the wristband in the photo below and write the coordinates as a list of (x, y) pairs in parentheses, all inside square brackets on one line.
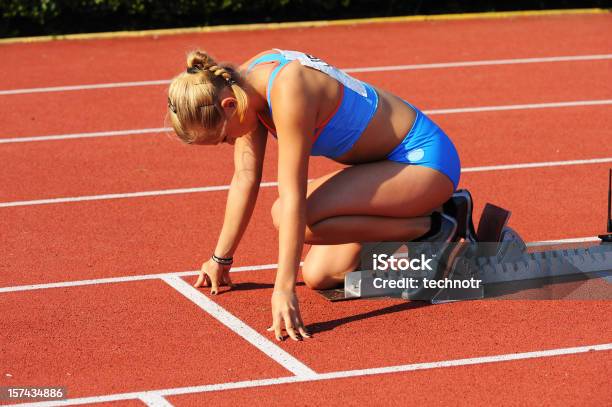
[(225, 261)]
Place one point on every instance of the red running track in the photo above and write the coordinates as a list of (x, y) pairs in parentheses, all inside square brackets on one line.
[(135, 336)]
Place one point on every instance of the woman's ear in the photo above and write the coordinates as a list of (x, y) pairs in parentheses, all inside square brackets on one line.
[(229, 103)]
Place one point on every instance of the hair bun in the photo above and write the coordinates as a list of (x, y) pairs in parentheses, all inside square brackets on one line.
[(199, 60)]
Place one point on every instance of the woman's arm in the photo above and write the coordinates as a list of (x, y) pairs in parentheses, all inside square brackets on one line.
[(249, 152), (295, 119)]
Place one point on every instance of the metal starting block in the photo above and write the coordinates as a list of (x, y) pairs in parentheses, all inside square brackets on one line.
[(509, 267), (497, 255)]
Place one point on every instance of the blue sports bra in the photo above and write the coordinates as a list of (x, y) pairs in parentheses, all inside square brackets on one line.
[(356, 108)]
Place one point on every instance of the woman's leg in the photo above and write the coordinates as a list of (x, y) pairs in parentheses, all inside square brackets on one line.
[(325, 265), (377, 201)]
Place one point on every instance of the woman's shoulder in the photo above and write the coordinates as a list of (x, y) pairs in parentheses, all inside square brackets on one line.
[(246, 64)]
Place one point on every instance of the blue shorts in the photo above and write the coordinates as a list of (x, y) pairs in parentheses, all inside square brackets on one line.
[(427, 145)]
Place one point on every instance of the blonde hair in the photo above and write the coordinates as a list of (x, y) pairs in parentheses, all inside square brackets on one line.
[(193, 96)]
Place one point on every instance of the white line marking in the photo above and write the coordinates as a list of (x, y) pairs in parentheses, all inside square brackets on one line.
[(154, 400), (563, 241), (243, 330), (86, 135), (477, 109), (469, 361), (481, 63), (333, 375), (520, 107), (84, 87), (460, 64), (123, 279), (127, 195), (274, 184), (536, 165)]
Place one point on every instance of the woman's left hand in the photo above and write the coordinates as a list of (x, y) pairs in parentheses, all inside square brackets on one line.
[(285, 309)]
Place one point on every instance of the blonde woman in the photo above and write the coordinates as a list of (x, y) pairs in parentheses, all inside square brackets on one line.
[(402, 166)]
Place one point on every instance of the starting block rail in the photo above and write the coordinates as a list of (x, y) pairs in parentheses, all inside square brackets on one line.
[(552, 263), (586, 262)]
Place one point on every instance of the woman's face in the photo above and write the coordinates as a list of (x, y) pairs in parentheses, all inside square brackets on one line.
[(230, 128), (235, 129)]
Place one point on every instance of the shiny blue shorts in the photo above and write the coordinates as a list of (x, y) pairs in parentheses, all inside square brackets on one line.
[(427, 145)]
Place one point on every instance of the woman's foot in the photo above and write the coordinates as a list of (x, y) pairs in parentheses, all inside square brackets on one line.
[(434, 247), (460, 207), (443, 229)]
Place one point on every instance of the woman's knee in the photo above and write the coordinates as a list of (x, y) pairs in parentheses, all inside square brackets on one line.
[(315, 278), (325, 266)]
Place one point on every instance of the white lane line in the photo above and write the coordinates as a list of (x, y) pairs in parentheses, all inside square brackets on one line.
[(520, 107), (433, 112), (411, 67), (536, 165), (481, 63), (275, 184), (563, 241), (86, 135), (334, 375), (123, 279), (154, 400), (243, 330), (469, 361), (126, 195), (84, 87)]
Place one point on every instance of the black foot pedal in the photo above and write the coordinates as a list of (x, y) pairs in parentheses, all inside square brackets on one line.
[(492, 223)]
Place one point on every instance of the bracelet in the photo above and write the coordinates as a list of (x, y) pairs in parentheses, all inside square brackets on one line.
[(225, 261)]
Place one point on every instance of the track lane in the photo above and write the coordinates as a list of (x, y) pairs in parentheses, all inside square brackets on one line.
[(153, 58), (563, 380), (501, 85), (145, 107), (120, 338), (403, 332), (77, 241), (520, 373), (113, 165)]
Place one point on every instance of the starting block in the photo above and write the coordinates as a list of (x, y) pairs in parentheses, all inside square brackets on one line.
[(494, 255)]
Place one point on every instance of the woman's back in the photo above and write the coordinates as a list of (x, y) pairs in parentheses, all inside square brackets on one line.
[(355, 122)]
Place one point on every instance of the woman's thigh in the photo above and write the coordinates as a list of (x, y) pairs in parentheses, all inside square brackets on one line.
[(379, 189), (383, 188)]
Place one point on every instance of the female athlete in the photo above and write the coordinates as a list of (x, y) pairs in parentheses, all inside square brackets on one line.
[(402, 166)]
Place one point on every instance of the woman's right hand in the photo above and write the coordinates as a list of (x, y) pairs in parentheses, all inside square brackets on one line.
[(213, 275)]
